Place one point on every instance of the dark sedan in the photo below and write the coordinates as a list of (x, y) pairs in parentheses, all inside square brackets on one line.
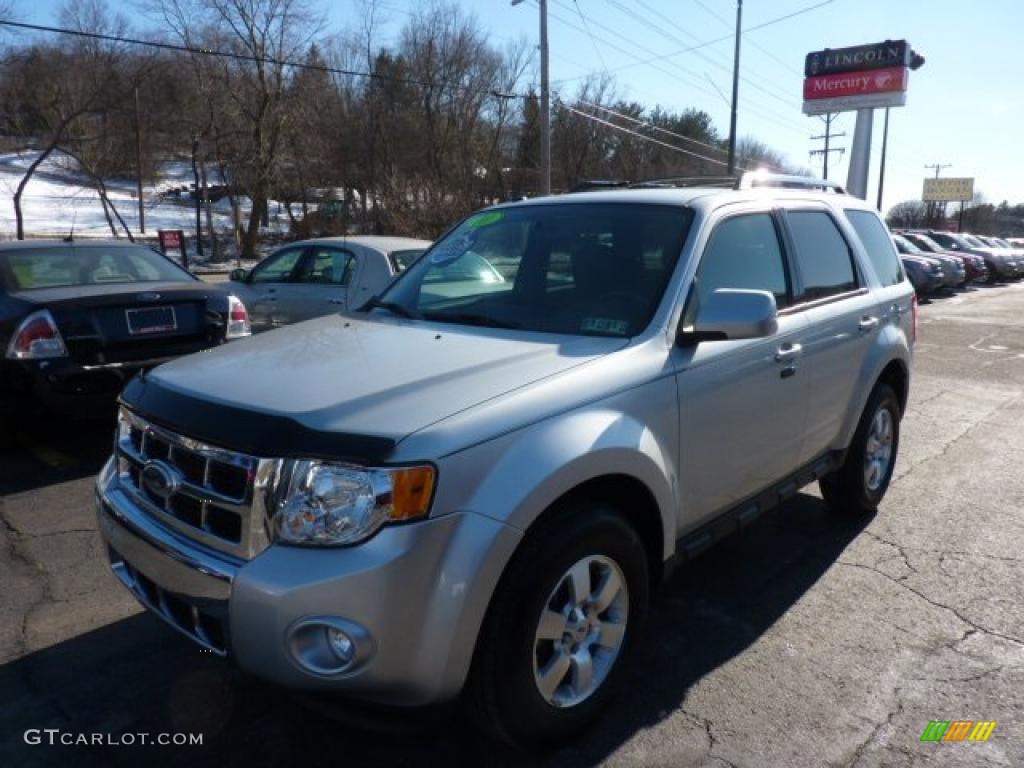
[(77, 320)]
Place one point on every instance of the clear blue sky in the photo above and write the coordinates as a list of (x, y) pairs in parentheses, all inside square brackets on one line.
[(964, 107)]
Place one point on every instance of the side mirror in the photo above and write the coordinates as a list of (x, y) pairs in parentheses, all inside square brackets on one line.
[(238, 275), (736, 314)]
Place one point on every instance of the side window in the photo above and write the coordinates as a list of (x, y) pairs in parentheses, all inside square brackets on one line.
[(278, 267), (744, 252), (878, 244), (824, 258), (327, 266)]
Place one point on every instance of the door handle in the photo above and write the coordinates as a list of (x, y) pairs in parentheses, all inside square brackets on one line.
[(335, 301), (788, 352), (867, 323)]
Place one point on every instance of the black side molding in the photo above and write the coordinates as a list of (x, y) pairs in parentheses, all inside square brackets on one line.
[(247, 431), (747, 511)]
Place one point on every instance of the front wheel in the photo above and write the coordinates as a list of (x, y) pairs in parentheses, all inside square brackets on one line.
[(560, 628), (860, 482)]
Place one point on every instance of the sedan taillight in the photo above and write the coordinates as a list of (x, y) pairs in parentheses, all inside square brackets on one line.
[(37, 338), (238, 319)]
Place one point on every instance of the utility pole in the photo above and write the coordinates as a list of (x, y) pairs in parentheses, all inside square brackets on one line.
[(735, 88), (881, 170), (933, 207), (199, 195), (545, 101), (827, 136), (138, 165)]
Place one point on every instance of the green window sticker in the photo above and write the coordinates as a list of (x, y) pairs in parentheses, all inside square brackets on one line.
[(485, 219), (605, 325)]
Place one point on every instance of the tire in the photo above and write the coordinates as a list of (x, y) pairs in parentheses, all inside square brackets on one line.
[(857, 487), (504, 688)]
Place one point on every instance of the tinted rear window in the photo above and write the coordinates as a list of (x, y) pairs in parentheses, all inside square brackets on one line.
[(877, 243), (62, 266), (824, 258)]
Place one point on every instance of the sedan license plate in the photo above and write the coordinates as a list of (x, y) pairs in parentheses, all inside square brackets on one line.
[(151, 320)]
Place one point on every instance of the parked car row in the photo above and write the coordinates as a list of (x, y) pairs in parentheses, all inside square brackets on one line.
[(937, 262)]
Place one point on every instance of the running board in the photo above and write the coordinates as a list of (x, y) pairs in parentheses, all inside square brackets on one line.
[(747, 511)]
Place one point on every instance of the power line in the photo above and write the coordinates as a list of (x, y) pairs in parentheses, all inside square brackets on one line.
[(652, 126), (763, 112), (725, 67), (593, 42), (639, 135), (727, 23), (706, 43), (254, 59)]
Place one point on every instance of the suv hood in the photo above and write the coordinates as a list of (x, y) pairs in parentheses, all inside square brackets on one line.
[(382, 377)]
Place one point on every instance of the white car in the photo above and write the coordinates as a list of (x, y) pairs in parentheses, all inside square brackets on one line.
[(318, 277)]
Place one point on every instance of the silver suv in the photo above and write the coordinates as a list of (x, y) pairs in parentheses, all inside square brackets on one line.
[(472, 487)]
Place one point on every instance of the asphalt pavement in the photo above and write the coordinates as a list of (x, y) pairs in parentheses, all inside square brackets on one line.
[(809, 640)]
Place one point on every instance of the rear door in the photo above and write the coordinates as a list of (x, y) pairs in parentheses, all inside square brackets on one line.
[(267, 282), (842, 320), (320, 285), (741, 402), (894, 294)]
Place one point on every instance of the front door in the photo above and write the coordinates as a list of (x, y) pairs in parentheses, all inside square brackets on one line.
[(321, 284), (741, 402), (266, 285)]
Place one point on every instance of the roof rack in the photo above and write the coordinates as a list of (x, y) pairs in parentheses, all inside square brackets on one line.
[(749, 180), (753, 179), (725, 182)]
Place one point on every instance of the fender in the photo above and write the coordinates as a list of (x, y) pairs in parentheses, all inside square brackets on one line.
[(890, 344)]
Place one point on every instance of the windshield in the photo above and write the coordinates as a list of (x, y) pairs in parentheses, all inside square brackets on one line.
[(402, 260), (578, 268), (925, 243), (904, 245), (78, 265)]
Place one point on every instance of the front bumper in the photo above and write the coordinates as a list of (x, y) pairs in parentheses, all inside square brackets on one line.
[(418, 592)]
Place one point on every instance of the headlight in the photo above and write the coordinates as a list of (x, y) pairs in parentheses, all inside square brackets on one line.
[(330, 504)]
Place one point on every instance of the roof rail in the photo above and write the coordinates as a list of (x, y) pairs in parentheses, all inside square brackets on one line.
[(753, 179), (726, 182)]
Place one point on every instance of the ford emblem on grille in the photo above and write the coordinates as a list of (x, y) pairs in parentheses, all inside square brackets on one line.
[(159, 479)]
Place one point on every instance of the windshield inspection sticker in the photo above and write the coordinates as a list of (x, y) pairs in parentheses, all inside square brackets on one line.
[(604, 325)]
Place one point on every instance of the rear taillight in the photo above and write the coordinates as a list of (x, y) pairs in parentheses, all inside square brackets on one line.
[(913, 314), (238, 319), (36, 338)]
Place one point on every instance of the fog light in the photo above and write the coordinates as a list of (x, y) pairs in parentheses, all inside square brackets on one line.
[(329, 645), (341, 644)]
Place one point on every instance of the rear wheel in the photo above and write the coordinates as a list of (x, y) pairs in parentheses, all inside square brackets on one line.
[(860, 482), (562, 624)]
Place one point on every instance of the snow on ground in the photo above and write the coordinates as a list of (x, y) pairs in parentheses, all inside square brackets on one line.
[(60, 197)]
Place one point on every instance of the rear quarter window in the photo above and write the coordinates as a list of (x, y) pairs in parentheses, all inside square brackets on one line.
[(879, 246)]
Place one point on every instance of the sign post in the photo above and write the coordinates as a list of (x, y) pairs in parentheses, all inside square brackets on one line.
[(171, 239)]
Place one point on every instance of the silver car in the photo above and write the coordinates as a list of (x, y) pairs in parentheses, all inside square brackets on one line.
[(473, 492), (318, 277)]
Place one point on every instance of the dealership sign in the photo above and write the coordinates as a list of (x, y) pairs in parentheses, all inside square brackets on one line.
[(861, 77), (891, 53), (948, 190)]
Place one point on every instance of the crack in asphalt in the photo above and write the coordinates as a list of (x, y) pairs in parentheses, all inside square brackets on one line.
[(950, 443), (858, 753), (970, 623), (707, 725)]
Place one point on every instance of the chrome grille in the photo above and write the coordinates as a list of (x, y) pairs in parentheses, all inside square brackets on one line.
[(218, 497)]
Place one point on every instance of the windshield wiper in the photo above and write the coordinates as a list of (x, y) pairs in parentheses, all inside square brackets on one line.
[(391, 306), (469, 318)]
